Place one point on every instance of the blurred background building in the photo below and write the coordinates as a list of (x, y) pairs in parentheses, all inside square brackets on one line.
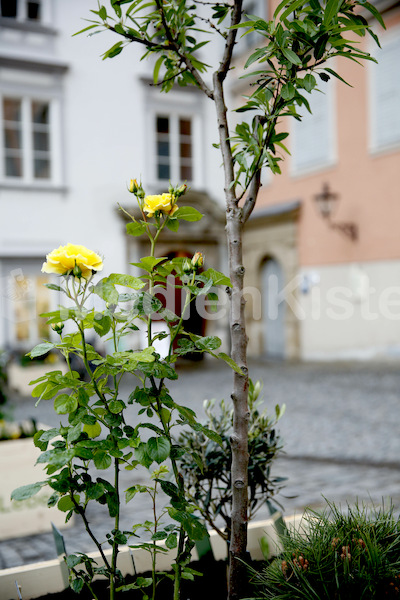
[(323, 245), (75, 129)]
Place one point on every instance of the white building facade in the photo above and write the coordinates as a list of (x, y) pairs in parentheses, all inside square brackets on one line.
[(74, 130)]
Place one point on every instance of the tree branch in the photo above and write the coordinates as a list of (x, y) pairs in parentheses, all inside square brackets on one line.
[(174, 45), (250, 201), (211, 24), (132, 38), (225, 63), (225, 144)]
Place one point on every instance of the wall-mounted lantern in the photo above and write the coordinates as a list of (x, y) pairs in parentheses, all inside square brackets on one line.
[(327, 202)]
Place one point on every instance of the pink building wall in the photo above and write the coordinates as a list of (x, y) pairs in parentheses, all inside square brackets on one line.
[(367, 184)]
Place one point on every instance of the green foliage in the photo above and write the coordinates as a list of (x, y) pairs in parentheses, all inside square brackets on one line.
[(95, 434), (206, 464), (299, 44), (335, 554), (296, 47)]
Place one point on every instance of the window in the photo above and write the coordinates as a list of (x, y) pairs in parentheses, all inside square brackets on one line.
[(385, 93), (174, 140), (26, 139), (30, 296), (313, 136), (25, 297), (21, 10)]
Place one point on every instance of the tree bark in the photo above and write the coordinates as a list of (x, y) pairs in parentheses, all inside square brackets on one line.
[(239, 437), (239, 445)]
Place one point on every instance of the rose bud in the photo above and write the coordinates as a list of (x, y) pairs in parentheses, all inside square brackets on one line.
[(197, 260), (57, 327)]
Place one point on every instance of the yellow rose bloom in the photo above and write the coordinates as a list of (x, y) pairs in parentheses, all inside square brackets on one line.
[(66, 258), (165, 203)]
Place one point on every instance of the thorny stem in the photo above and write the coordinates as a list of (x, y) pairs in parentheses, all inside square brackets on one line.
[(116, 527), (87, 366), (178, 327), (153, 241), (154, 555), (80, 511), (75, 572), (179, 482), (211, 24)]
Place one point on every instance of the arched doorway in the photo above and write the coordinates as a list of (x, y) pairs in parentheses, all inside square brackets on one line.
[(273, 309)]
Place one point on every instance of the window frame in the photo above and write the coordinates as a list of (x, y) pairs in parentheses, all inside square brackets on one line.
[(22, 13), (27, 151), (174, 138), (328, 161), (176, 107), (27, 270), (377, 147)]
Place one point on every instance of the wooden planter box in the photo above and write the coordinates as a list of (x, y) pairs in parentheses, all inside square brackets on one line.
[(17, 468), (48, 577)]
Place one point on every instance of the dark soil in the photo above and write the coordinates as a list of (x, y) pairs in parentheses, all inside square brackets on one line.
[(211, 586)]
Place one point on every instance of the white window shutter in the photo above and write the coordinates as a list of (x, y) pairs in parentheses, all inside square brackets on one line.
[(386, 93), (312, 139)]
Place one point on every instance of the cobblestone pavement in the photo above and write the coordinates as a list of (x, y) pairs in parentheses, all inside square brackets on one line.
[(340, 432)]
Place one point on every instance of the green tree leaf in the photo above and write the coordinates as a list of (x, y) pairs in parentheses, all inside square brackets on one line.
[(41, 349), (207, 343), (135, 228), (309, 82), (291, 56), (102, 459), (65, 503), (217, 277), (116, 406), (172, 541), (65, 404), (173, 224), (113, 51), (106, 290), (130, 493), (188, 213), (142, 456), (92, 431), (230, 362), (158, 448), (126, 280), (27, 491), (193, 527), (101, 324)]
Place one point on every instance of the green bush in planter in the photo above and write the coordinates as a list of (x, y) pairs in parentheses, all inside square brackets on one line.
[(206, 464), (336, 556)]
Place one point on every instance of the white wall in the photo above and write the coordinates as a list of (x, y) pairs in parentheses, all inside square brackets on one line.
[(349, 311)]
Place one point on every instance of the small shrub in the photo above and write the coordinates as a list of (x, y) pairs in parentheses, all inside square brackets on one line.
[(336, 556), (206, 466)]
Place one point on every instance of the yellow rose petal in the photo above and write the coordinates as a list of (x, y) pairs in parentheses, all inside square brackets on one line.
[(64, 258)]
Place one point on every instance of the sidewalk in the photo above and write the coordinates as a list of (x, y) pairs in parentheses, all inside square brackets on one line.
[(340, 434)]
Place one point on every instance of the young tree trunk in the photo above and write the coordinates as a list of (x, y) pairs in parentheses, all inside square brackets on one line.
[(239, 439)]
